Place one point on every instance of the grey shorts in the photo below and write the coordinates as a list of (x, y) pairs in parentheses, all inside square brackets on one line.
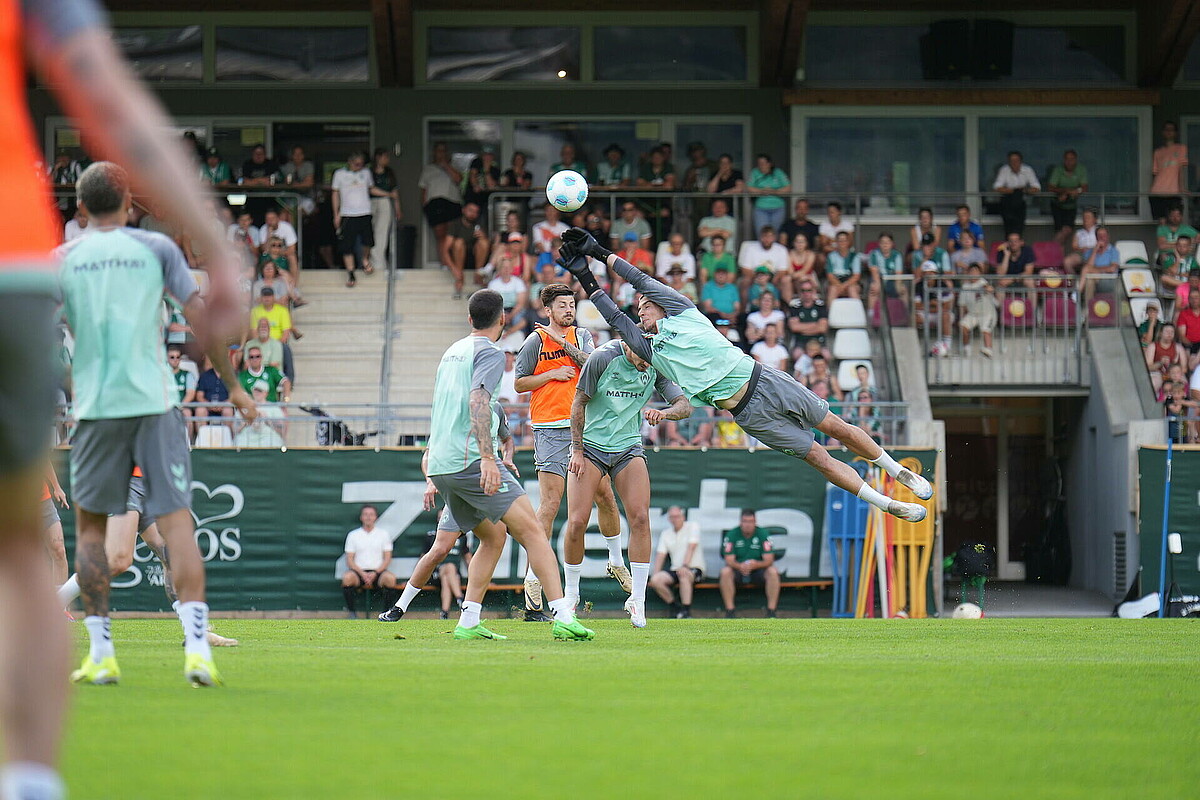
[(49, 513), (28, 377), (552, 450), (446, 520), (612, 463), (106, 450), (137, 502), (780, 412), (466, 500)]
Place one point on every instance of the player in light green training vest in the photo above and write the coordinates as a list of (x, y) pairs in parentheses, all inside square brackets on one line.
[(768, 404), (113, 282), (606, 440), (480, 492)]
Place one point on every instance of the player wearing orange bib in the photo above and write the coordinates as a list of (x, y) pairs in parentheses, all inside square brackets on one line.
[(548, 365)]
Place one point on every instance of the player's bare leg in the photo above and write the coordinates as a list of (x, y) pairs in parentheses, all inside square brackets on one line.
[(443, 543), (56, 552), (187, 568), (843, 475), (34, 665), (633, 484), (452, 592), (581, 490), (610, 528), (860, 443), (524, 527), (550, 487)]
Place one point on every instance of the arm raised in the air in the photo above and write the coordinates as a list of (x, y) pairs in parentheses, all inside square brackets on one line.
[(631, 334), (651, 288)]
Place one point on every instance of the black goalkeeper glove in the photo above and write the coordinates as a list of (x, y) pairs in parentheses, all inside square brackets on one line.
[(583, 243), (577, 265)]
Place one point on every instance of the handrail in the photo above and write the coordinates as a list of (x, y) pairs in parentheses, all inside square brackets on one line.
[(389, 321), (1147, 397)]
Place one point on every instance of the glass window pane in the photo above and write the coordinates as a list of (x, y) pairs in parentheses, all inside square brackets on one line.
[(1191, 66), (876, 54), (1105, 146), (715, 53), (483, 54), (465, 140), (163, 54), (882, 158), (717, 138), (542, 142), (293, 54)]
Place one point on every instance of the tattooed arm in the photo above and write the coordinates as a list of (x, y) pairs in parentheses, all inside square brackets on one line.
[(481, 429), (578, 417)]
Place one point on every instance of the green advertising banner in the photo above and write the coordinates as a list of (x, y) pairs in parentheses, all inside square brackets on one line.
[(272, 525), (1183, 515)]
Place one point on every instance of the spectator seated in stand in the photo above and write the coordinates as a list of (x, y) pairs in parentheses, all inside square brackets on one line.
[(823, 374), (764, 252), (276, 227), (468, 244), (977, 306), (272, 349), (678, 281), (630, 221), (185, 381), (862, 383), (680, 541), (1162, 354), (546, 231), (694, 431), (768, 350), (727, 434), (861, 410), (280, 319), (76, 226), (963, 222), (270, 276), (277, 385), (721, 302), (1100, 270), (968, 253), (269, 429), (804, 360), (211, 389), (925, 226), (515, 294), (1172, 229), (804, 262), (1015, 259), (843, 270), (245, 238), (885, 262), (632, 251), (675, 254), (718, 223), (1082, 243), (1187, 329), (718, 257), (762, 288), (749, 561), (800, 224), (1177, 264), (808, 318), (1149, 328), (832, 226), (368, 554)]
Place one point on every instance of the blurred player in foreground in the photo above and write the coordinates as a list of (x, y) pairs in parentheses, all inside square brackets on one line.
[(68, 42), (462, 465), (606, 441), (766, 403)]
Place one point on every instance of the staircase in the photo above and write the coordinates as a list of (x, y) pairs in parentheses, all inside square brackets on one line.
[(426, 322)]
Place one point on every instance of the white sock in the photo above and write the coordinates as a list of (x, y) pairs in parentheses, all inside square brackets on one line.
[(888, 463), (28, 780), (68, 591), (641, 574), (873, 497), (562, 610), (100, 636), (175, 607), (572, 573), (469, 617), (194, 616), (407, 596), (614, 550)]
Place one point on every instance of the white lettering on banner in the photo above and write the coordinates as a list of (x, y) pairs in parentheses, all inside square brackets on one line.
[(406, 499)]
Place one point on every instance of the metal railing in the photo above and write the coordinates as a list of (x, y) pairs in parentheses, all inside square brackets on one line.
[(1037, 324), (387, 425), (684, 209)]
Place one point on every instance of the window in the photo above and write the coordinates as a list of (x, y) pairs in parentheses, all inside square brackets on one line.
[(674, 54), (338, 55), (1191, 65), (465, 140), (163, 54), (542, 141), (484, 54), (885, 155)]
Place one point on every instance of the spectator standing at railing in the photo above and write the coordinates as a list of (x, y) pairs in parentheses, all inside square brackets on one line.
[(299, 176), (440, 198), (769, 182), (719, 222), (63, 176), (1187, 325), (977, 301), (1169, 170), (963, 222), (258, 172), (385, 203), (1067, 181), (843, 270), (658, 175), (630, 221), (1162, 354), (215, 172), (1014, 181), (799, 224), (832, 226), (726, 180), (1104, 260), (925, 225), (568, 160), (614, 172)]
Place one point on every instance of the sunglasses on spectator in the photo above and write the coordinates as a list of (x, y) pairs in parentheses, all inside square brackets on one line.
[(254, 356), (807, 289), (174, 358)]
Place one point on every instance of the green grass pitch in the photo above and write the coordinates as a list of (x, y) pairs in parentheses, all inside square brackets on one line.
[(688, 708)]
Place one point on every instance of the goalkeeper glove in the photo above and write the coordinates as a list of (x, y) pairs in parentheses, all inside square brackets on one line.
[(580, 242)]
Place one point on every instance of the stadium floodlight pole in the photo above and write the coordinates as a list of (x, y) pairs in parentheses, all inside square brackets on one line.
[(1162, 564)]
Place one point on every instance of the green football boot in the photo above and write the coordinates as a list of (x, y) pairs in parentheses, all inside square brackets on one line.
[(478, 632)]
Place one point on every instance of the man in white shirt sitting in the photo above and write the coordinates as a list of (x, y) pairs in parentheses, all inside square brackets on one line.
[(368, 553), (1083, 242), (769, 351), (283, 229), (1014, 180), (674, 255), (681, 541)]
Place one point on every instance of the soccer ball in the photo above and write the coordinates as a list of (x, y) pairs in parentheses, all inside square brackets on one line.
[(567, 190), (967, 611)]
